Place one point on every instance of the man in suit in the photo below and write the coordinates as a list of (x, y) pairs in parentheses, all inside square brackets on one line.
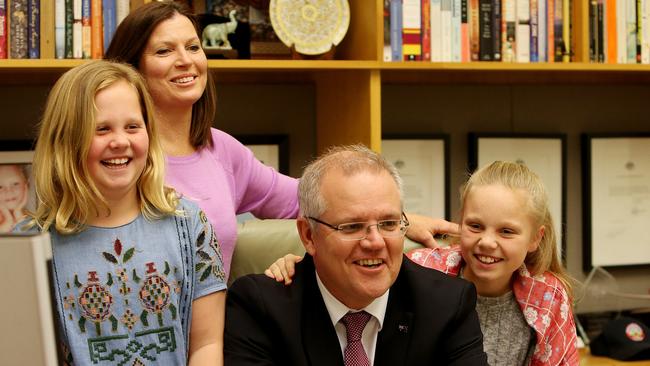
[(355, 299)]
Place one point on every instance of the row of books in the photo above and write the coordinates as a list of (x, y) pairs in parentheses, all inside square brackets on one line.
[(619, 31), (78, 28), (477, 30)]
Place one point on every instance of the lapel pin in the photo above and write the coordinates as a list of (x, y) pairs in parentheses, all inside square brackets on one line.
[(403, 328)]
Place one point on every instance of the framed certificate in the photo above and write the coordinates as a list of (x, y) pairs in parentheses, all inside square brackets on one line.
[(272, 150), (423, 163), (16, 185), (545, 154), (616, 199)]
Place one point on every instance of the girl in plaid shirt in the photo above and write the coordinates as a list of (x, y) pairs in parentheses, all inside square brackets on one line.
[(508, 249)]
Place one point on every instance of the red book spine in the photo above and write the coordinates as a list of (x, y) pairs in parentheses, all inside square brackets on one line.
[(426, 30)]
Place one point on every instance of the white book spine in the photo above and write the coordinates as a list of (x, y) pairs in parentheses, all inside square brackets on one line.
[(509, 14), (630, 31), (436, 31), (455, 30), (522, 33), (542, 34), (645, 45), (76, 30), (122, 9), (621, 32), (411, 14), (59, 28), (445, 24)]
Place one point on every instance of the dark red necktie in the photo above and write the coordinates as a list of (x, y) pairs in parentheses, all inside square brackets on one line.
[(354, 353)]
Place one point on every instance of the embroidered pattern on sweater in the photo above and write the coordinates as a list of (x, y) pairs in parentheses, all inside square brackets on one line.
[(208, 264), (122, 348), (155, 295)]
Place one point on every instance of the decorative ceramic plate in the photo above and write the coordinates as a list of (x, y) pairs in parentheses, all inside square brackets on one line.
[(311, 26)]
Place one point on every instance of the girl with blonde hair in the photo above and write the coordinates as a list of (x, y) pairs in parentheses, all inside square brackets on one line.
[(508, 250), (133, 263)]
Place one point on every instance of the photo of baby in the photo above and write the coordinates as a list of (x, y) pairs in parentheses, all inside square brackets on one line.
[(14, 194)]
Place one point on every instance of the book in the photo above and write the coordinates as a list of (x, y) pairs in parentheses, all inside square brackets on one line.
[(436, 30), (96, 29), (600, 56), (34, 28), (508, 25), (534, 29), (77, 29), (621, 32), (541, 31), (593, 30), (455, 31), (522, 31), (464, 31), (18, 42), (566, 31), (630, 16), (3, 29), (28, 315), (486, 44), (426, 30), (109, 21), (411, 31), (47, 40), (645, 27), (122, 9), (639, 29), (68, 25), (445, 27), (558, 30), (550, 31), (86, 35), (396, 30), (496, 30), (474, 30), (387, 51)]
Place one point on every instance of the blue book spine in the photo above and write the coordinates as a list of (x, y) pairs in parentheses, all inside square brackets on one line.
[(34, 28), (396, 29), (109, 14)]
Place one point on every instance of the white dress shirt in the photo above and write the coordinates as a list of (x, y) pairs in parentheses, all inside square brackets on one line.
[(336, 310)]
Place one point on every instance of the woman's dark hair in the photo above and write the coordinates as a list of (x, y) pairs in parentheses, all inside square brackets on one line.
[(129, 42)]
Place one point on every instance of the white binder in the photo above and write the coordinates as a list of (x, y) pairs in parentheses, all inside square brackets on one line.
[(28, 336)]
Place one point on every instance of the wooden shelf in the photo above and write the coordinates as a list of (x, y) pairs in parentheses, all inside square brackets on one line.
[(298, 71)]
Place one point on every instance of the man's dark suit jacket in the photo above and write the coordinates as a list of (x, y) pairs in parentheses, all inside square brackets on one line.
[(430, 320)]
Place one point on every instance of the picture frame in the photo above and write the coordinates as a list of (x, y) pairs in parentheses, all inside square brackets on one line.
[(544, 154), (423, 163), (616, 199), (272, 150), (17, 193)]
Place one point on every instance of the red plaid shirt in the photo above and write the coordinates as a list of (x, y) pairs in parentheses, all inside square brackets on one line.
[(542, 299)]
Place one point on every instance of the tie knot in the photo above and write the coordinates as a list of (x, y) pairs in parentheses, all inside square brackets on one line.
[(354, 324)]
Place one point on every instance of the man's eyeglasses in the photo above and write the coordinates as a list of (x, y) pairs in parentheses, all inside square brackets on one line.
[(392, 228)]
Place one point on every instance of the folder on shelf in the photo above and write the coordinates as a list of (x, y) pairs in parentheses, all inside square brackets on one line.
[(28, 336)]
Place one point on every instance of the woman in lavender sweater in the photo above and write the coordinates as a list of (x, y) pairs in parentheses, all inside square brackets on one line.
[(206, 165)]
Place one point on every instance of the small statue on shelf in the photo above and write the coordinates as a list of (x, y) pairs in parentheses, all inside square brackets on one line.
[(215, 36)]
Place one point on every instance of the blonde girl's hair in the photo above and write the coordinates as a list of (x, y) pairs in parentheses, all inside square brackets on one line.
[(519, 177), (65, 192)]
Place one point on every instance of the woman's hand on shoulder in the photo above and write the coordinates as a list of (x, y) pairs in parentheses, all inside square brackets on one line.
[(284, 268), (422, 229)]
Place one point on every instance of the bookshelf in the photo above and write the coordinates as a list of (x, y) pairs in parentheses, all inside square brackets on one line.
[(358, 96)]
